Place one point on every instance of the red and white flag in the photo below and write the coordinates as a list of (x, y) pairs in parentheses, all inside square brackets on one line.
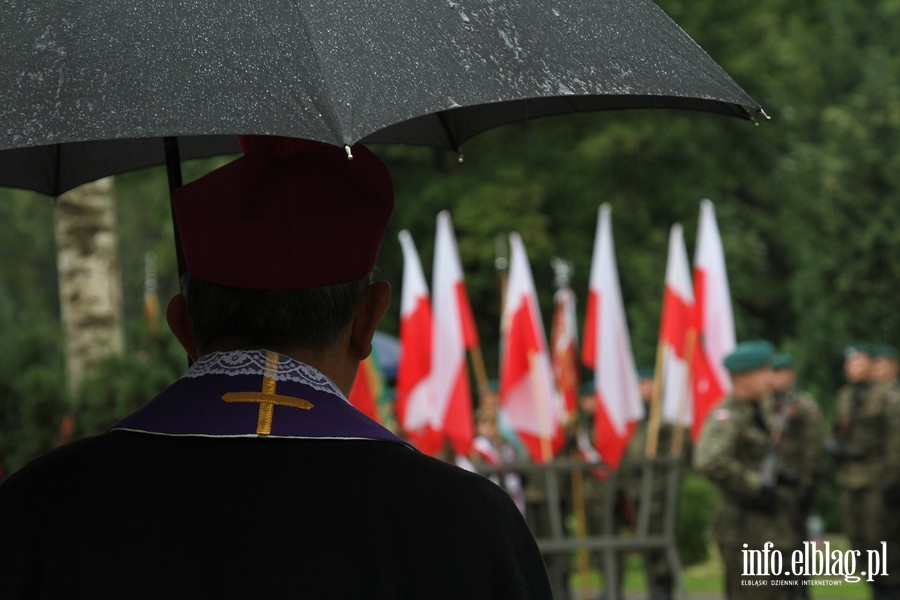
[(676, 322), (413, 393), (607, 349), (564, 351), (452, 333), (526, 377), (368, 388), (714, 318)]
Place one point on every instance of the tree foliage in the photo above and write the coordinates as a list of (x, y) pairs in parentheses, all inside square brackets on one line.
[(807, 205)]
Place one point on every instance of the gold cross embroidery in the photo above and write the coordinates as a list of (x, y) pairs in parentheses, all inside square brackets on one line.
[(267, 398)]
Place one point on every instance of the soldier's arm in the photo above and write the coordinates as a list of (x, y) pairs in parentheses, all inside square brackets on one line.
[(891, 485), (841, 413), (892, 439), (813, 439), (715, 456)]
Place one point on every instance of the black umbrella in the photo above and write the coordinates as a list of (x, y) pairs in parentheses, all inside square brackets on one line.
[(89, 89)]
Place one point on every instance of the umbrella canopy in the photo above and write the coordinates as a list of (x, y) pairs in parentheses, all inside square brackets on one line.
[(88, 88)]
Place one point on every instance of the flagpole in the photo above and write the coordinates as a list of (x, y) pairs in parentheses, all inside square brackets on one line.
[(481, 378), (580, 526), (650, 450), (501, 264)]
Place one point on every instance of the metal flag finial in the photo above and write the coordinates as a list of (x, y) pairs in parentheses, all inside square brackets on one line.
[(562, 272)]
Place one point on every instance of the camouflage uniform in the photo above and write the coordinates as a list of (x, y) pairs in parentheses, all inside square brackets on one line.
[(800, 463), (735, 439), (865, 428), (891, 487), (800, 452)]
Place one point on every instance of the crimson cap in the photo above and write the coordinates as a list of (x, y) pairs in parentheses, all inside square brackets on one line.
[(288, 214)]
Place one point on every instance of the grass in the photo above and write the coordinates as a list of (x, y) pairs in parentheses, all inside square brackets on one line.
[(705, 580)]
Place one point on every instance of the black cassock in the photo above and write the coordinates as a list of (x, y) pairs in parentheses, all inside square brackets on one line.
[(130, 514)]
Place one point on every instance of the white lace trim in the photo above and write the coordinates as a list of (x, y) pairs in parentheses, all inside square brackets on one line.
[(253, 362)]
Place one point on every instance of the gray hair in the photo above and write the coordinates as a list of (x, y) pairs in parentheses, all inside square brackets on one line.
[(308, 319)]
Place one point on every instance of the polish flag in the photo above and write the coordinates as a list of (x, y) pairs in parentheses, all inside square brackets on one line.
[(563, 345), (526, 377), (452, 333), (413, 393), (487, 451), (368, 388), (607, 349), (714, 318), (676, 322)]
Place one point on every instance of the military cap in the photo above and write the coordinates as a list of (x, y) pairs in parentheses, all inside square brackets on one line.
[(586, 388), (782, 361), (857, 348), (289, 214), (749, 356), (884, 350)]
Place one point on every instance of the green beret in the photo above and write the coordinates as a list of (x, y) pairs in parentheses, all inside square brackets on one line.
[(586, 388), (645, 373), (782, 361), (749, 356), (885, 350), (857, 348)]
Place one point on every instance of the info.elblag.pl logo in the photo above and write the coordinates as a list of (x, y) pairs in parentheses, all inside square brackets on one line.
[(812, 561)]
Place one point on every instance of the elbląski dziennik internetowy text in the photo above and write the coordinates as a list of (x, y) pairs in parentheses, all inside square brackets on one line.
[(812, 561)]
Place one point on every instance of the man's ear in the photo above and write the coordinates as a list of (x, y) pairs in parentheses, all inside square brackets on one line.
[(180, 323), (376, 301)]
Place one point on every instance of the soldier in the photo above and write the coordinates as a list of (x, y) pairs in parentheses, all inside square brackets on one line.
[(886, 372), (733, 453), (885, 365), (657, 569), (798, 427), (865, 429)]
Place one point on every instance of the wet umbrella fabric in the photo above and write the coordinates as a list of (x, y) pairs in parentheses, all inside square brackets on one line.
[(116, 77)]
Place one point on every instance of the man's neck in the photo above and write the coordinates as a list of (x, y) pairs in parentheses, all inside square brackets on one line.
[(326, 362)]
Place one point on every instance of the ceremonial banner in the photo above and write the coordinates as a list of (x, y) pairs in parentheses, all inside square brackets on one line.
[(453, 332), (414, 404), (714, 318), (607, 350), (675, 325), (368, 388), (526, 377), (564, 353)]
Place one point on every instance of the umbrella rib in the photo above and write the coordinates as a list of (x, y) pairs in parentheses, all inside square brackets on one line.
[(325, 108), (57, 170), (452, 138), (173, 171)]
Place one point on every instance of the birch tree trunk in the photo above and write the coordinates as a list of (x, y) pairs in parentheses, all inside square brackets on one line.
[(90, 284)]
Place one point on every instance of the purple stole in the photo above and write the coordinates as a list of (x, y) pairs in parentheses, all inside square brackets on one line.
[(254, 393)]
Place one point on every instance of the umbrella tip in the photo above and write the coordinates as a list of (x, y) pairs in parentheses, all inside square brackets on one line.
[(461, 158), (762, 113), (349, 152)]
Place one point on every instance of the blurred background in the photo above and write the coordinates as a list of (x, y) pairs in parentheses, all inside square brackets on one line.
[(808, 206)]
